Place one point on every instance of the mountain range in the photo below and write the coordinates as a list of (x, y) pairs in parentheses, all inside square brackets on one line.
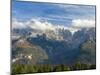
[(59, 46)]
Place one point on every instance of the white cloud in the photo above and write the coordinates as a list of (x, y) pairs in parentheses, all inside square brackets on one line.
[(33, 23), (17, 24), (76, 25), (82, 23), (36, 24)]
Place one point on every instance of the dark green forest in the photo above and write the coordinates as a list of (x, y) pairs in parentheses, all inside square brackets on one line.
[(40, 68)]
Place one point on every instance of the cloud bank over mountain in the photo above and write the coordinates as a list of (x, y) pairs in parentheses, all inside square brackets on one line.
[(36, 24), (79, 23), (76, 25), (18, 24)]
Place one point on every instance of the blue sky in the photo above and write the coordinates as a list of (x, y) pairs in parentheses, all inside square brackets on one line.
[(61, 14)]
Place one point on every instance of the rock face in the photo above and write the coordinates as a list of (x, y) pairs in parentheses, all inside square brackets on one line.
[(55, 47), (88, 52), (25, 53)]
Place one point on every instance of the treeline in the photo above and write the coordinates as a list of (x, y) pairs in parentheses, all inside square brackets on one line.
[(23, 68)]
